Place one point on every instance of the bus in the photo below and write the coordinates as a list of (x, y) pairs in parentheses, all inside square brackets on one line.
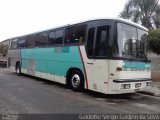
[(103, 55)]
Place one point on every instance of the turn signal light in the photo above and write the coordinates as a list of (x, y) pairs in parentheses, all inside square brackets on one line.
[(119, 69)]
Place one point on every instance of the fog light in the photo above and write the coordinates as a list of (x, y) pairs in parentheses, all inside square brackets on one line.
[(148, 83), (125, 86)]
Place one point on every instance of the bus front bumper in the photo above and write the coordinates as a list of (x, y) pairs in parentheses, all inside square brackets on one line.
[(120, 86)]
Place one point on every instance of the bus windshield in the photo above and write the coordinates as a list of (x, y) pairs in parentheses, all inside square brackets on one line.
[(132, 42)]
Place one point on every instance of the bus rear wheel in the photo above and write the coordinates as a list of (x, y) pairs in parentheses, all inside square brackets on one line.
[(76, 81), (18, 69)]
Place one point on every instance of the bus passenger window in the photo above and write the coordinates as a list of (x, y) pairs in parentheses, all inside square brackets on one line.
[(41, 39), (14, 43), (51, 39), (21, 43), (75, 35), (59, 37), (30, 41)]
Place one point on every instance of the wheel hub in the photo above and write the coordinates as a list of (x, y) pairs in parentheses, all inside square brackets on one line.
[(75, 81)]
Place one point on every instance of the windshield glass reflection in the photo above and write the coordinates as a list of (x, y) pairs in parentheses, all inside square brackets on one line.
[(132, 42)]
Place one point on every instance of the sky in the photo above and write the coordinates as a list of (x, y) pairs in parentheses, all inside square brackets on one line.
[(20, 17)]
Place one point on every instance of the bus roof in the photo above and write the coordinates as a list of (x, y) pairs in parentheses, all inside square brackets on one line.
[(91, 20), (115, 19)]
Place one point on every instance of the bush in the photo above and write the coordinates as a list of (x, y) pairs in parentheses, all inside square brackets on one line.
[(154, 40)]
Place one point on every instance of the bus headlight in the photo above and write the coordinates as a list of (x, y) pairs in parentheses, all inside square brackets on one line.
[(125, 86)]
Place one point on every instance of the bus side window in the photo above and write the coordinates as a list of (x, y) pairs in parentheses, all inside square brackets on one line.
[(51, 39), (14, 43), (59, 37), (90, 41), (75, 35), (21, 43), (41, 39), (30, 41)]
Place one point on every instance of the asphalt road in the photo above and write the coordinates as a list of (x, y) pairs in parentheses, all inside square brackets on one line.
[(26, 94)]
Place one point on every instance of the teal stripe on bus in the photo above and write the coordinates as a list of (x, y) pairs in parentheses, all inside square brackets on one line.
[(137, 65), (55, 60)]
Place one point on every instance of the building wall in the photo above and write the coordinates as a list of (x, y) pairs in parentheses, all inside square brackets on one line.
[(155, 63)]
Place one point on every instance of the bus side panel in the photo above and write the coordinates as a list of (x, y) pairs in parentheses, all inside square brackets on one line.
[(51, 63), (14, 56)]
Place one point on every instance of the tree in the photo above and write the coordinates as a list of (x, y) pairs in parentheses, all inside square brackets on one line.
[(146, 12), (154, 40), (3, 50)]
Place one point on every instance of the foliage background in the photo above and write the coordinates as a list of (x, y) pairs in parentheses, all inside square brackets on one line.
[(3, 50)]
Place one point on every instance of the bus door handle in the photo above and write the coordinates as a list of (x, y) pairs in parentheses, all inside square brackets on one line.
[(90, 63)]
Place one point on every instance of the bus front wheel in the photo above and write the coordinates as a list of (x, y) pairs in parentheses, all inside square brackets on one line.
[(18, 68), (77, 80)]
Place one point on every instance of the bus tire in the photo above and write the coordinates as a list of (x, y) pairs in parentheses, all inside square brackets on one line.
[(18, 68), (76, 81)]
